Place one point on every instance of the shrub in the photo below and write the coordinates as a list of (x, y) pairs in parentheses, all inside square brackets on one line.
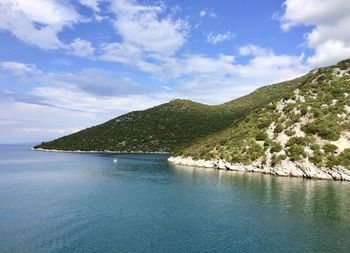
[(255, 151), (331, 161), (276, 147), (289, 132), (275, 160), (268, 142), (264, 124), (296, 141), (303, 110), (316, 159), (344, 158), (279, 128), (288, 108), (315, 147), (296, 152), (329, 148), (261, 136), (327, 130)]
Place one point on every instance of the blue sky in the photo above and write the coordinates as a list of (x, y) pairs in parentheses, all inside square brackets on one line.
[(66, 65)]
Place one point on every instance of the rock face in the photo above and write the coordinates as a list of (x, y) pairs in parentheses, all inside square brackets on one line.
[(286, 168)]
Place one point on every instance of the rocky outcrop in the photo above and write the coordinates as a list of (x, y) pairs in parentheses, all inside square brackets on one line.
[(286, 168)]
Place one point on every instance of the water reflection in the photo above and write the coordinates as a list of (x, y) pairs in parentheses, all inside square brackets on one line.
[(328, 200)]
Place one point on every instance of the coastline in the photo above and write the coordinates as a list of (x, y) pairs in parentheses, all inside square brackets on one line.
[(285, 169), (97, 152)]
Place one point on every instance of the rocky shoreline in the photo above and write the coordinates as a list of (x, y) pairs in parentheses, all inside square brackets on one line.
[(286, 168)]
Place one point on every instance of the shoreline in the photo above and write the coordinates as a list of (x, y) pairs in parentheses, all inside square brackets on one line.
[(285, 169), (97, 152)]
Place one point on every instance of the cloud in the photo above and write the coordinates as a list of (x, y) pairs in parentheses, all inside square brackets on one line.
[(145, 27), (253, 50), (204, 13), (37, 22), (82, 48), (121, 52), (92, 4), (330, 34), (95, 81), (219, 37), (19, 69)]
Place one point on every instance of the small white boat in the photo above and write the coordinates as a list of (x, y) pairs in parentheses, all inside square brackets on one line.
[(115, 160)]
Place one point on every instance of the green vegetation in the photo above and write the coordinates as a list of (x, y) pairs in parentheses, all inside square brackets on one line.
[(167, 127), (309, 112), (296, 120)]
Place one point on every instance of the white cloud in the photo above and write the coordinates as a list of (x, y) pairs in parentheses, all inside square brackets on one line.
[(121, 52), (37, 22), (253, 50), (19, 69), (219, 37), (92, 4), (204, 13), (82, 48), (143, 26), (330, 21)]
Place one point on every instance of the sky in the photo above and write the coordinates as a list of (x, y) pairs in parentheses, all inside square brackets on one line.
[(69, 64)]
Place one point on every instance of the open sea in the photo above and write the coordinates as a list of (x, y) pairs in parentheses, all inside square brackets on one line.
[(71, 202)]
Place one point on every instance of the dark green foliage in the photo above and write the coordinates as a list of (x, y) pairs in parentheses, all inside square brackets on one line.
[(276, 147), (171, 126), (279, 128), (296, 141), (289, 132), (261, 136), (303, 110), (326, 129), (277, 159), (329, 148), (296, 152), (344, 158)]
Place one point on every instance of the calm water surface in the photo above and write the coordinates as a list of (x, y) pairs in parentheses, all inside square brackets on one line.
[(62, 202)]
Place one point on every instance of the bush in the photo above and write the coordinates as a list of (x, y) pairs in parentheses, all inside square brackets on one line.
[(276, 147), (279, 128), (327, 130), (316, 159), (344, 158), (330, 148), (255, 151), (261, 136), (289, 132), (315, 147), (268, 142), (296, 152), (275, 160), (296, 141), (303, 110)]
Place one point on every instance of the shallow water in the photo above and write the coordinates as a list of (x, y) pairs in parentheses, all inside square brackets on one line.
[(70, 202)]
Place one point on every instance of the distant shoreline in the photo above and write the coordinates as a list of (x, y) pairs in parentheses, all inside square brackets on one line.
[(97, 152)]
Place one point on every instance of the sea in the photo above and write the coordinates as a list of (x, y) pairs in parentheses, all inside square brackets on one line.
[(74, 202)]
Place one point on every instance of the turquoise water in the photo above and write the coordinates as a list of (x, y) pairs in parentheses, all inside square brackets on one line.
[(62, 202)]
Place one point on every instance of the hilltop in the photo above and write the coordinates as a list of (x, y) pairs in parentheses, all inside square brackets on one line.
[(167, 127), (304, 133)]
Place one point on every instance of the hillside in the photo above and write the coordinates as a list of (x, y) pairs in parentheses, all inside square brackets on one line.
[(308, 128), (168, 127)]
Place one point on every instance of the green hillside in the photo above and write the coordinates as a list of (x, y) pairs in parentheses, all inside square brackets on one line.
[(168, 127), (310, 124)]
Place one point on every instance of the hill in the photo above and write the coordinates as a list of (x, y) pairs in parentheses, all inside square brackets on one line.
[(304, 133), (168, 127)]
